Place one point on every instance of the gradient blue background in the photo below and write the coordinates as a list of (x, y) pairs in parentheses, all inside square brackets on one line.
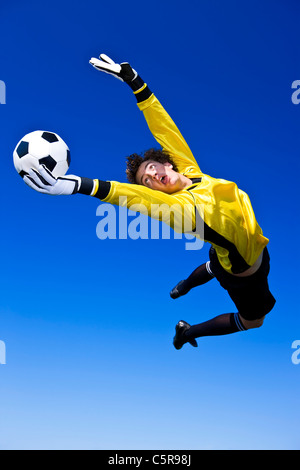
[(88, 324)]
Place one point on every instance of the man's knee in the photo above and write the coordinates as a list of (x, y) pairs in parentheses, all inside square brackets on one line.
[(250, 324)]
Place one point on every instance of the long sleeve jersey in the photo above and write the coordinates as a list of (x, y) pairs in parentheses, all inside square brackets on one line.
[(227, 219)]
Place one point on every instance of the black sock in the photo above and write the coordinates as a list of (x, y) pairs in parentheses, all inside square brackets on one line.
[(199, 276), (222, 325)]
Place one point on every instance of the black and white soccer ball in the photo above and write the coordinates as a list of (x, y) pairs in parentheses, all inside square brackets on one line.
[(42, 148)]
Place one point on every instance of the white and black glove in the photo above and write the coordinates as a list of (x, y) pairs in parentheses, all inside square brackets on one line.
[(44, 182), (123, 71)]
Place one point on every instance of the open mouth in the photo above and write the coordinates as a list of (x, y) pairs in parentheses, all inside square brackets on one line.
[(163, 179)]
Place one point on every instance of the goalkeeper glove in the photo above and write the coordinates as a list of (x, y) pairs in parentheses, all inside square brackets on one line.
[(44, 182), (123, 71)]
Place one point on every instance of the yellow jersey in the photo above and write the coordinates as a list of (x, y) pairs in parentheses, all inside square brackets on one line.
[(226, 213)]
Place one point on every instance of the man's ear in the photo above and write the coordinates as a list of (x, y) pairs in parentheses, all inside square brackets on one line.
[(168, 164)]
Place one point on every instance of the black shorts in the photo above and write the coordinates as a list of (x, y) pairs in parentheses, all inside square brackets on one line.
[(251, 294)]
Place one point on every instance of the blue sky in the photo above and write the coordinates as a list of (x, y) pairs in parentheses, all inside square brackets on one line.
[(88, 324)]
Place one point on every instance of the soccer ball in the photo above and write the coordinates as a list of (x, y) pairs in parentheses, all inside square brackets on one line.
[(42, 148)]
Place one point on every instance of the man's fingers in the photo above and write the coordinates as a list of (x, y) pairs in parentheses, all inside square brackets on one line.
[(106, 67), (41, 180), (32, 184), (107, 59), (46, 175)]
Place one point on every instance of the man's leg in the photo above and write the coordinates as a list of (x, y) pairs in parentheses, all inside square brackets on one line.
[(250, 324), (199, 276), (225, 324)]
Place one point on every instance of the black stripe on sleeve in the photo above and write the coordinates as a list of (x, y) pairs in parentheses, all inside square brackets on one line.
[(143, 95), (103, 190), (136, 84), (86, 186)]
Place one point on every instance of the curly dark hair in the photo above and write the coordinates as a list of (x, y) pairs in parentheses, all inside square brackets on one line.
[(135, 160)]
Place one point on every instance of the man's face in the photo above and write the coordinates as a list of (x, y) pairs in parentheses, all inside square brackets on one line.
[(158, 176)]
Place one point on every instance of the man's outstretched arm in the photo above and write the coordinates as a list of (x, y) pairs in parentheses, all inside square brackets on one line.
[(160, 123), (136, 197)]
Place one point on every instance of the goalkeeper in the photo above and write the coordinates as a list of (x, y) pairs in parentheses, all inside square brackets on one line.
[(171, 177)]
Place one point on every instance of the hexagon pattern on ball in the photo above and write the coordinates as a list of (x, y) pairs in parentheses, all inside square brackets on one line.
[(42, 148)]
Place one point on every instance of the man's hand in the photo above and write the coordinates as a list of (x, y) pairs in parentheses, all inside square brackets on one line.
[(123, 71), (44, 182)]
